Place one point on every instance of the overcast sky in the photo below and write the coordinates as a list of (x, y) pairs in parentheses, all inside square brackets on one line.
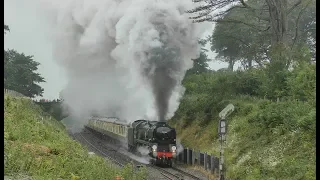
[(30, 34)]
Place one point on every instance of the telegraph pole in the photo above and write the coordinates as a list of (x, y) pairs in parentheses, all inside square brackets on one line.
[(222, 130)]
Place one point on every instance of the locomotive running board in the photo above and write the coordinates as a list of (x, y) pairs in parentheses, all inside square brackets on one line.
[(142, 141)]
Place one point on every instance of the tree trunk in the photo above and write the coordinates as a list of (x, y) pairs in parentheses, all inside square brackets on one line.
[(231, 63), (249, 63), (278, 23), (278, 19)]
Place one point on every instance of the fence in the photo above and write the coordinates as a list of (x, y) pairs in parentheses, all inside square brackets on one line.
[(192, 157)]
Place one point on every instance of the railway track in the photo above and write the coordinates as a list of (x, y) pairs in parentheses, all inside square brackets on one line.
[(185, 173), (101, 152), (167, 173), (177, 174)]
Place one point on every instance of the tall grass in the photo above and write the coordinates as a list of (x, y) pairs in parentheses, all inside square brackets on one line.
[(265, 139), (39, 146)]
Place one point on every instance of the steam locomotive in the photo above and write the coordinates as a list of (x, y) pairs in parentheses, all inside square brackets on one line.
[(158, 137)]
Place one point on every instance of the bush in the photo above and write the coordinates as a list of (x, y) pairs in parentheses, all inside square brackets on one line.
[(291, 115), (302, 83)]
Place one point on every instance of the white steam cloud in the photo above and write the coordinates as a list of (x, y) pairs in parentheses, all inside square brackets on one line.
[(124, 58)]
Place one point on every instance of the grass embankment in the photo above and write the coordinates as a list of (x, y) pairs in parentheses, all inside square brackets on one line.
[(40, 148), (265, 140)]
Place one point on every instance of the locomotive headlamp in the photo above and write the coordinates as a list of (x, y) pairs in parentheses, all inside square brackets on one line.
[(174, 148), (154, 147)]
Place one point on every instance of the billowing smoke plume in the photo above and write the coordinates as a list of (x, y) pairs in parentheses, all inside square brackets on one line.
[(124, 58)]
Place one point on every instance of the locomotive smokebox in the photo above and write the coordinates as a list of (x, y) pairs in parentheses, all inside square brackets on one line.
[(157, 136)]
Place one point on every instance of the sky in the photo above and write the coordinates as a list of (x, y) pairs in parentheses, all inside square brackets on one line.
[(30, 33)]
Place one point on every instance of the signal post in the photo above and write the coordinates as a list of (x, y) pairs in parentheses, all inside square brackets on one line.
[(222, 130)]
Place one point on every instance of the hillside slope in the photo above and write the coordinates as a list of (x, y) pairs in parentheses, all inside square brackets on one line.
[(265, 139), (39, 147), (272, 132)]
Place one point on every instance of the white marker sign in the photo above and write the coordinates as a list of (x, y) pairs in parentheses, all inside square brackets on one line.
[(226, 111)]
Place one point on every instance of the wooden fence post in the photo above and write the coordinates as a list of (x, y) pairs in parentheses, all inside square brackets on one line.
[(199, 158), (193, 156), (182, 156), (188, 156), (205, 160), (217, 162), (212, 163)]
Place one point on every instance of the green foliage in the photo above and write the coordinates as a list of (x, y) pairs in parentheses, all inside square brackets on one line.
[(284, 114), (240, 38), (200, 64), (273, 140), (42, 149), (20, 75), (205, 93), (266, 139), (270, 82), (304, 19), (271, 133), (303, 82), (54, 108)]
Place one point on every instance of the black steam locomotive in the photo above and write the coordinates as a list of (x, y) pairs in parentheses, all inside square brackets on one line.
[(158, 137)]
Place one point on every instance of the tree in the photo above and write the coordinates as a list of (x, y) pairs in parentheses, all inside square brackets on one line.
[(303, 26), (248, 43), (273, 13), (20, 73), (239, 42), (6, 28), (200, 64)]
